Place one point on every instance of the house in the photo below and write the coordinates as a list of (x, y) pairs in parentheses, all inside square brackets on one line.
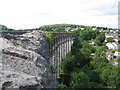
[(110, 30), (92, 43), (70, 29), (82, 28), (113, 45), (101, 30), (112, 57), (117, 39), (94, 28), (117, 54), (114, 32), (115, 36), (67, 28), (109, 54)]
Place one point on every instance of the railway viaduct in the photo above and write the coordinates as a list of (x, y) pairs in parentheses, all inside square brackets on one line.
[(59, 48)]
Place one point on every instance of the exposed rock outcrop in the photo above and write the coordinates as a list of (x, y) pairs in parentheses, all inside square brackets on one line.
[(24, 61)]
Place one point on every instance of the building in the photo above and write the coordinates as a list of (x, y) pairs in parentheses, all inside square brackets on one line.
[(115, 36), (112, 57), (94, 28), (113, 45), (117, 54), (92, 43), (109, 54)]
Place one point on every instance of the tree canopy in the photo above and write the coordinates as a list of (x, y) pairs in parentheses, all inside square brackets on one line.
[(84, 71)]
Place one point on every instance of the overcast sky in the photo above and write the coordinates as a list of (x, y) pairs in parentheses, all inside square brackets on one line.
[(23, 14)]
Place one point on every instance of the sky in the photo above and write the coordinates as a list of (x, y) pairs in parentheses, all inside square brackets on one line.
[(27, 14)]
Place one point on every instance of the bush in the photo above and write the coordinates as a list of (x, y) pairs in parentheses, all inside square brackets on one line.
[(49, 37)]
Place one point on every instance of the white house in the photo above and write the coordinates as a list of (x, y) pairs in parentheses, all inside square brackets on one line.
[(117, 39), (92, 43), (117, 54), (94, 28), (113, 46), (111, 30), (82, 28)]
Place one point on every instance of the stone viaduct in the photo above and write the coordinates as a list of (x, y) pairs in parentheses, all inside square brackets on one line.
[(59, 48)]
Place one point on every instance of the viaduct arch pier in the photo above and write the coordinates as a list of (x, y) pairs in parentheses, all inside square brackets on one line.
[(59, 48)]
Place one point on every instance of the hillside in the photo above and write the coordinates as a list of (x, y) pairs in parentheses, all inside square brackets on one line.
[(60, 28), (2, 27), (69, 27)]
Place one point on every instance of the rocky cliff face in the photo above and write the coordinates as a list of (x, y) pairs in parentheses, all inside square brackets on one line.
[(24, 61)]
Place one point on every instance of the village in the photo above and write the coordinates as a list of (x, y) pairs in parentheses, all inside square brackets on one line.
[(113, 52), (112, 40)]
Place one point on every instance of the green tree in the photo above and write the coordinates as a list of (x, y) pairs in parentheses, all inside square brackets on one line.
[(101, 52), (109, 76), (62, 86), (100, 39), (79, 80), (49, 37), (66, 64), (110, 39), (82, 71), (76, 45), (88, 34), (86, 45)]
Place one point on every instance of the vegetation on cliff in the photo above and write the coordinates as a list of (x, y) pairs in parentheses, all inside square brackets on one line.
[(49, 37)]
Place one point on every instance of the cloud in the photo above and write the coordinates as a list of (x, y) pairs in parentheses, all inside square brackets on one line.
[(34, 13)]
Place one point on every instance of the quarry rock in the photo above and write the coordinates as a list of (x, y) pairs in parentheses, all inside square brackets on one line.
[(24, 60)]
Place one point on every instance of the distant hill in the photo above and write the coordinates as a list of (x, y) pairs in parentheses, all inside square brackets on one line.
[(2, 27), (62, 27), (69, 27)]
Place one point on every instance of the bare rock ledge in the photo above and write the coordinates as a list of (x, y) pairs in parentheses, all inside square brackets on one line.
[(24, 61)]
